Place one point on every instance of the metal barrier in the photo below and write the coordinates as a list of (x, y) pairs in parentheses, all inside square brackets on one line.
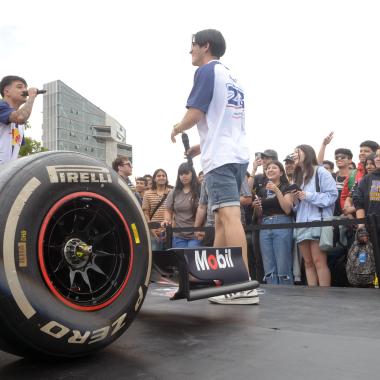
[(371, 221)]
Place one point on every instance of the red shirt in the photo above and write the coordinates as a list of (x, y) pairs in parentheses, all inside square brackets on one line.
[(360, 172)]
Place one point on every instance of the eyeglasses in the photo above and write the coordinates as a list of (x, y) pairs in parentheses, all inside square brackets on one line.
[(341, 157), (127, 163)]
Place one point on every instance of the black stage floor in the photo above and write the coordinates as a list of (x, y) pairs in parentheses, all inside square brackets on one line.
[(295, 333)]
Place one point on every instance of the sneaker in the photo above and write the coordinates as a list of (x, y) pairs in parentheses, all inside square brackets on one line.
[(246, 297)]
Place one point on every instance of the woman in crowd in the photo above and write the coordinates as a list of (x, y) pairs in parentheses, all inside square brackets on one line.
[(370, 163), (181, 206), (274, 202), (366, 195), (153, 206), (312, 205)]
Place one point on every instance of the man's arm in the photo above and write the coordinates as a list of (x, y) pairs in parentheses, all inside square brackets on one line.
[(192, 117), (200, 217), (21, 116), (326, 141), (344, 193), (360, 213)]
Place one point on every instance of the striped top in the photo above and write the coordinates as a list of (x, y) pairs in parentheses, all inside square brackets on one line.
[(150, 201)]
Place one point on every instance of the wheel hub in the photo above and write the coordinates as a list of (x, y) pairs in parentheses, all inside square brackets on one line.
[(77, 253)]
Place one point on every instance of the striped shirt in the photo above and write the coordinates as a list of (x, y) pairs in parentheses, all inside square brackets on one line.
[(150, 202)]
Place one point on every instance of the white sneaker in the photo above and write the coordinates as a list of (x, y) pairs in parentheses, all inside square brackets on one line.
[(246, 297)]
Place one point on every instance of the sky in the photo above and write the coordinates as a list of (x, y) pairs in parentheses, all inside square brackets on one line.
[(307, 67)]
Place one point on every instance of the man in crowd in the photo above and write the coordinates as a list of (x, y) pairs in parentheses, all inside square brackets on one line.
[(15, 110), (123, 167), (216, 106), (149, 180), (366, 148), (343, 159), (329, 166), (141, 185), (289, 167)]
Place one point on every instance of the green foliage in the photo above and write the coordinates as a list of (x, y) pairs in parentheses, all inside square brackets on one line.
[(31, 146)]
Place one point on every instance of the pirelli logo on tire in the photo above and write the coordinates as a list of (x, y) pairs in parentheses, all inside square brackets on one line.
[(78, 174)]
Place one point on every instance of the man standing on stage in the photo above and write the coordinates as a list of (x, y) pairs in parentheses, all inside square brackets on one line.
[(216, 106), (13, 116)]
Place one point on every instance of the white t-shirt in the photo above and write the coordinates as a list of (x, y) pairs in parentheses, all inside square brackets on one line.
[(222, 129), (11, 134)]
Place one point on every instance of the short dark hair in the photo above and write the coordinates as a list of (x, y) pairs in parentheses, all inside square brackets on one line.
[(346, 152), (142, 179), (373, 145), (119, 161), (352, 163), (8, 80), (329, 163), (214, 38)]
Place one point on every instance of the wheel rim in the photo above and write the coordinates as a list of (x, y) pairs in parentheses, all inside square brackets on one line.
[(85, 251)]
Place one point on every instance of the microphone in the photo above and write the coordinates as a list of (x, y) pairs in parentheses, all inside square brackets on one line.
[(186, 144), (26, 93)]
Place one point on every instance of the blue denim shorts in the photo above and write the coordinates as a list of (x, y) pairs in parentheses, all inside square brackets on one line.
[(307, 233), (223, 185)]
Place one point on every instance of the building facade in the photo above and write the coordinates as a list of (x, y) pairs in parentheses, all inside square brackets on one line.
[(71, 122)]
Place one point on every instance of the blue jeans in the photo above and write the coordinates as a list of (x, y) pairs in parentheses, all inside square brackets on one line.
[(276, 251), (179, 242)]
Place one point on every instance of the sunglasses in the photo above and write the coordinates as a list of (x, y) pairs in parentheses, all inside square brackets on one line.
[(340, 157)]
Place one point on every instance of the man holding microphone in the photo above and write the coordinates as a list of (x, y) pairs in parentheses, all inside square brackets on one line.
[(216, 106), (15, 109)]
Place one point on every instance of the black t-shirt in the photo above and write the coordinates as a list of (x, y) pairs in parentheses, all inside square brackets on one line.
[(269, 201)]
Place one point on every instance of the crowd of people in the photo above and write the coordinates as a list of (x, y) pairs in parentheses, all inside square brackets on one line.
[(304, 187)]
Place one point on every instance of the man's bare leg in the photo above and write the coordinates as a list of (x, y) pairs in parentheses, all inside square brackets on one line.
[(220, 237), (229, 231)]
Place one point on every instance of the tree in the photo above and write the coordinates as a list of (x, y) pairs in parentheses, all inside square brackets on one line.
[(31, 146)]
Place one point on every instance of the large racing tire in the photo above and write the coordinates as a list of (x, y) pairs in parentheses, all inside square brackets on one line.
[(75, 255)]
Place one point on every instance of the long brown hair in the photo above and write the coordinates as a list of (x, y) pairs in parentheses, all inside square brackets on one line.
[(154, 183), (309, 162)]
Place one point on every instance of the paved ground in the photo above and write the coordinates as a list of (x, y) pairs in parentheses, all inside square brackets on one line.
[(296, 333)]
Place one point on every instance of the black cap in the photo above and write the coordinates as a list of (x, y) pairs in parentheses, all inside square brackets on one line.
[(270, 153), (289, 157)]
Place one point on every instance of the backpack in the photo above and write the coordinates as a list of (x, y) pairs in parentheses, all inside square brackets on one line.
[(360, 267)]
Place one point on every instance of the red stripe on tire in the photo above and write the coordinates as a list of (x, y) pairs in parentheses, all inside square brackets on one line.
[(41, 260)]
